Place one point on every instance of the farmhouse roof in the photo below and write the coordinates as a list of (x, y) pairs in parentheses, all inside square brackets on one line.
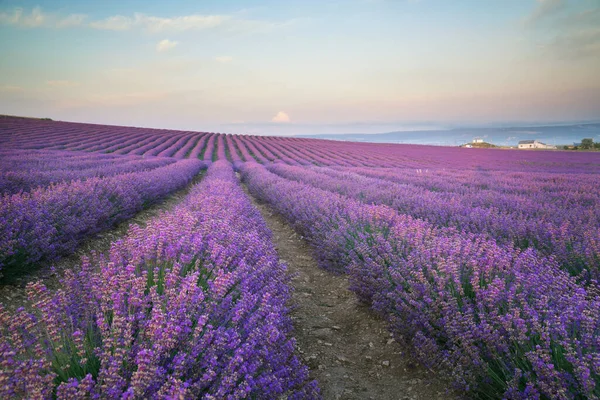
[(527, 142)]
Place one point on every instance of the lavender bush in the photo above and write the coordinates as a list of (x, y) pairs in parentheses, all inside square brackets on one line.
[(507, 323), (561, 225), (48, 222), (192, 306), (24, 170), (21, 133)]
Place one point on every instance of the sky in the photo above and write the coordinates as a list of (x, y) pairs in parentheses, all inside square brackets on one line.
[(306, 66)]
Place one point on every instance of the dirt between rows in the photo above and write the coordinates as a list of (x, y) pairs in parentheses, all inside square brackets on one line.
[(346, 346), (344, 343), (13, 290)]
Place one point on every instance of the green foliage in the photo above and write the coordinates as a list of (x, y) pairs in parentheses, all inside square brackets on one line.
[(587, 143)]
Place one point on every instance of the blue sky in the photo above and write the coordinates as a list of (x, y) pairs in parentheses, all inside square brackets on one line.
[(284, 67)]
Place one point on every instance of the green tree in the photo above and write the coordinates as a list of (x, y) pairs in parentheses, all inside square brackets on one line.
[(587, 143)]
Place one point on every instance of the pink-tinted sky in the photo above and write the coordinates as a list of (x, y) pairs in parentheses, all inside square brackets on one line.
[(301, 66)]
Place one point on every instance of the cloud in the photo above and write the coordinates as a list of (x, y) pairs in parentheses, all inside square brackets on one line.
[(159, 24), (589, 17), (579, 43), (544, 9), (281, 117), (577, 35), (165, 45), (247, 26), (36, 18), (567, 35), (114, 23), (223, 59), (183, 23), (71, 20)]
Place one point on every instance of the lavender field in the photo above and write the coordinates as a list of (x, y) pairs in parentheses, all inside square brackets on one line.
[(483, 263)]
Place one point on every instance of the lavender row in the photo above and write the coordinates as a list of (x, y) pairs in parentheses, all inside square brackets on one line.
[(243, 150), (48, 222), (187, 148), (53, 159), (191, 306), (18, 176), (565, 200), (221, 148), (568, 229), (234, 154), (38, 134), (507, 323), (554, 185)]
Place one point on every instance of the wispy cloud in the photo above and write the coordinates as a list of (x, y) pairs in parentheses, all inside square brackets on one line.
[(165, 45), (223, 59), (71, 20), (32, 19), (281, 117), (159, 24), (154, 24), (589, 17), (573, 34), (36, 18), (544, 8), (578, 43), (247, 26), (114, 23)]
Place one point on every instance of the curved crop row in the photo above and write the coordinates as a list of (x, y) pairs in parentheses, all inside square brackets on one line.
[(40, 134), (48, 222), (191, 306), (52, 167), (507, 323), (565, 228)]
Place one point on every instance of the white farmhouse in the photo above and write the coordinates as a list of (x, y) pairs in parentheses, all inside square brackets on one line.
[(534, 144), (478, 140)]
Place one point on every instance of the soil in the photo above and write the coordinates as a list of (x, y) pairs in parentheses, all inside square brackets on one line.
[(344, 343), (346, 346), (12, 291)]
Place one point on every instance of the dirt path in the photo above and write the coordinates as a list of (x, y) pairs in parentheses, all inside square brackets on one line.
[(12, 292), (346, 346)]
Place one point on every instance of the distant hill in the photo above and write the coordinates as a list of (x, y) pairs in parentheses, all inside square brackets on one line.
[(563, 134)]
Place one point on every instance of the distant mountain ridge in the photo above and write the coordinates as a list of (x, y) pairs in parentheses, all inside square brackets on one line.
[(558, 135)]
